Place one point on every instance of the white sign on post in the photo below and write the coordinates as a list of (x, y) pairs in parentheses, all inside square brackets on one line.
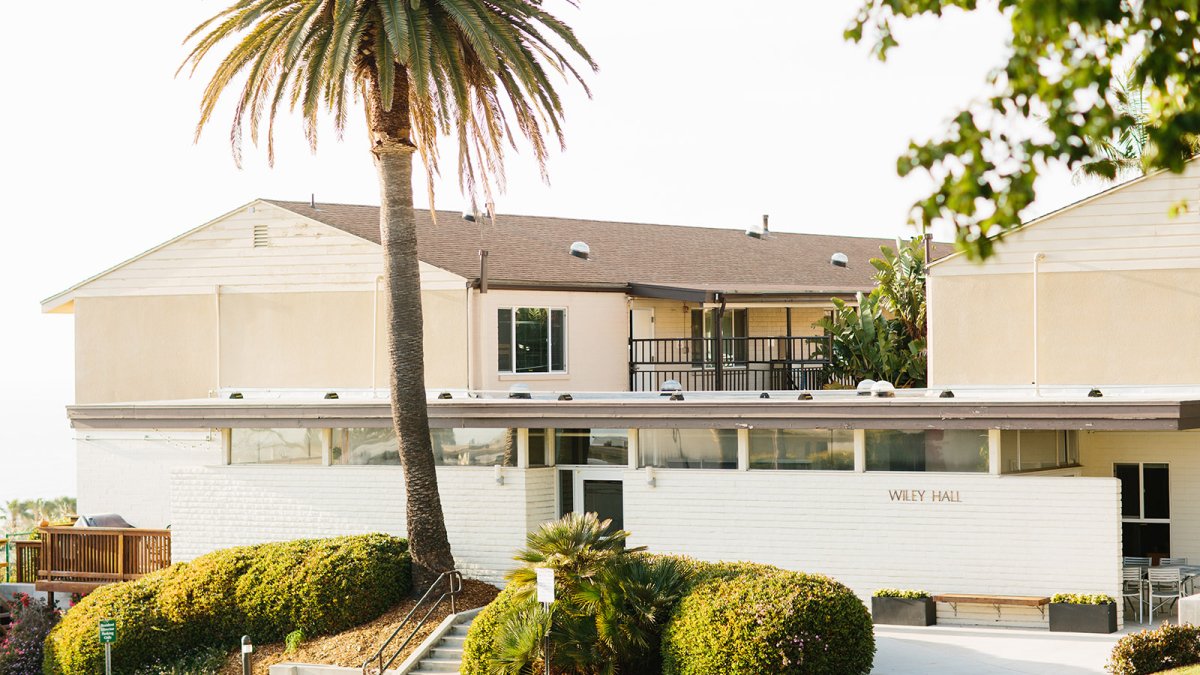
[(545, 584)]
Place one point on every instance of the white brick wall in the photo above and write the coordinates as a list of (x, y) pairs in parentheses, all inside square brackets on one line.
[(1013, 535), (218, 507), (127, 472)]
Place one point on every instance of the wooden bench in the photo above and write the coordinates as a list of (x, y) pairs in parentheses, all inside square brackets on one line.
[(997, 601)]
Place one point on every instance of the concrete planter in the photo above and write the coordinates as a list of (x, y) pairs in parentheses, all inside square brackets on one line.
[(1070, 618), (904, 611)]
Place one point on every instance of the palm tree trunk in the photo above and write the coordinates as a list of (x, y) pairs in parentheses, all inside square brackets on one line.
[(393, 150)]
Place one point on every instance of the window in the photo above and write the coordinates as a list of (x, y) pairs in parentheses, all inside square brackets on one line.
[(688, 448), (365, 446), (829, 449), (474, 447), (1033, 450), (733, 325), (1145, 508), (537, 447), (531, 340), (591, 446), (934, 450), (275, 446)]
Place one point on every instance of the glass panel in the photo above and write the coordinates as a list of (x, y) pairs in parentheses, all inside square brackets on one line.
[(558, 340), (1072, 447), (1039, 449), (1009, 461), (1156, 485), (566, 492), (802, 449), (591, 446), (474, 447), (934, 450), (537, 447), (604, 498), (504, 351), (1146, 539), (688, 448), (1131, 505), (365, 446), (275, 446), (699, 345), (533, 334)]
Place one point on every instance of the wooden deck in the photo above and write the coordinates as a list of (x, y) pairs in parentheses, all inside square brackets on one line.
[(81, 559)]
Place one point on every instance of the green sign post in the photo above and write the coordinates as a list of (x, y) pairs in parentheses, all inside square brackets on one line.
[(108, 635)]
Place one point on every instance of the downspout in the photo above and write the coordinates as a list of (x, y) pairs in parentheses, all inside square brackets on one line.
[(375, 337), (1037, 259)]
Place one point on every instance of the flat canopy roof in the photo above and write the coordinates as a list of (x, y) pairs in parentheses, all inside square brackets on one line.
[(910, 409)]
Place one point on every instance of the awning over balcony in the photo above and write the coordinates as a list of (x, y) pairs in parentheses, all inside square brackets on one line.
[(748, 293)]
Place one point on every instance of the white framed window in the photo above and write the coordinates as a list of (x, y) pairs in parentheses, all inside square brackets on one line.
[(531, 340)]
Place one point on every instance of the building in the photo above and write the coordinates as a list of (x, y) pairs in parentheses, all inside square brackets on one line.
[(1058, 433)]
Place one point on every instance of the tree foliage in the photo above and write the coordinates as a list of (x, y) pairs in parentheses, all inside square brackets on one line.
[(883, 337), (1058, 89)]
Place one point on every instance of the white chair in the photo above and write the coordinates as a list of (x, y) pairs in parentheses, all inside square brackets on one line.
[(1131, 587), (1136, 561), (1172, 562), (1165, 584)]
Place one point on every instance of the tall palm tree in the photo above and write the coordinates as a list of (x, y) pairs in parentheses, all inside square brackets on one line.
[(471, 69), (19, 514)]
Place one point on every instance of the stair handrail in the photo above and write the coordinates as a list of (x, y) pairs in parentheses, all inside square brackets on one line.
[(453, 588)]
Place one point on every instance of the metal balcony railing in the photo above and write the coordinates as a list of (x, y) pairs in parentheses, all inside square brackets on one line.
[(735, 364)]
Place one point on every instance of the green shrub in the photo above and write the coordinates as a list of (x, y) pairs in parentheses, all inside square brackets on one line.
[(1081, 599), (1151, 651), (481, 643), (898, 593), (318, 586), (203, 660), (772, 622)]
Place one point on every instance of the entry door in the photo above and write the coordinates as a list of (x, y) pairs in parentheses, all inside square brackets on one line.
[(1145, 508), (593, 490), (642, 323)]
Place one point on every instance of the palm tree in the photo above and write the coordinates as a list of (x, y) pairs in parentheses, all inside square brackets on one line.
[(19, 513), (471, 69)]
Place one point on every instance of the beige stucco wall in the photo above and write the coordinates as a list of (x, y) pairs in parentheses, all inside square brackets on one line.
[(144, 348), (597, 340), (1180, 450), (1094, 328)]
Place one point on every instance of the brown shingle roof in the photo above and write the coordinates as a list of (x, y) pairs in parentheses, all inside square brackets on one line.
[(533, 249)]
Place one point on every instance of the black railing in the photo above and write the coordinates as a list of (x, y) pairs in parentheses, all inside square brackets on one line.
[(744, 363), (450, 584)]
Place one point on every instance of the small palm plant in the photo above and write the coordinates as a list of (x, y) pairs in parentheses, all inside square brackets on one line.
[(611, 602)]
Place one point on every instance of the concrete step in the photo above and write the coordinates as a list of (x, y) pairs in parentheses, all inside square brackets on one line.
[(453, 642), (440, 652), (441, 665)]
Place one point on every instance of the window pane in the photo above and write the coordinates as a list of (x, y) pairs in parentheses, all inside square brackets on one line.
[(1009, 461), (1157, 489), (591, 446), (802, 449), (1039, 449), (558, 340), (1072, 447), (934, 450), (566, 492), (1131, 503), (1146, 539), (365, 446), (474, 447), (688, 448), (504, 351), (275, 446), (537, 447), (533, 334)]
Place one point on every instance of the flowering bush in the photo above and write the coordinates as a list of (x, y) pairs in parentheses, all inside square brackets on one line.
[(899, 593), (1082, 599), (21, 649)]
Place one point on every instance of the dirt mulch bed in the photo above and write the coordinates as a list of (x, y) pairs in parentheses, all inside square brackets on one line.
[(353, 647)]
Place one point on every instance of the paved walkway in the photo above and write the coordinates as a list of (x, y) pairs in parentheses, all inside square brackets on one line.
[(902, 650)]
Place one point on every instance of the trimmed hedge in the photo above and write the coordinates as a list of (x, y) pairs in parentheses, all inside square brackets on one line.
[(773, 622), (1151, 651), (319, 586), (480, 644)]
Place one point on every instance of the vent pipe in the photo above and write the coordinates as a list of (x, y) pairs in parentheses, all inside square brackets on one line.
[(483, 277)]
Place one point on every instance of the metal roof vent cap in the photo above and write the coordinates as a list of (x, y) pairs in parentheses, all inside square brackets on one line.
[(883, 389), (236, 395), (445, 395), (581, 250), (805, 396), (764, 395), (677, 396), (669, 387), (839, 259), (1095, 393), (519, 390), (331, 396), (946, 393), (864, 387), (566, 397)]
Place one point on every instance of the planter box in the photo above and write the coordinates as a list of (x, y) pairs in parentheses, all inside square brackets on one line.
[(1068, 618), (904, 611)]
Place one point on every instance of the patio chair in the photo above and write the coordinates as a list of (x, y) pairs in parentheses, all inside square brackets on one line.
[(1166, 585), (1136, 561), (1169, 562), (1131, 587)]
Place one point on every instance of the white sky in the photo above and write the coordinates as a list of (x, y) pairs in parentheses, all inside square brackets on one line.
[(701, 115)]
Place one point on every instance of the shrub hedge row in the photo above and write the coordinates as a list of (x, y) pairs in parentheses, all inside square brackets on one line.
[(1151, 651), (319, 586), (736, 619)]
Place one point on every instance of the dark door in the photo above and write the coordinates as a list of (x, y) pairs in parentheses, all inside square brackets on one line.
[(605, 498)]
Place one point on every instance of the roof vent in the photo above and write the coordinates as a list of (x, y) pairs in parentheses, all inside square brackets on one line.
[(581, 250), (864, 387), (445, 395), (805, 396), (759, 232), (469, 216), (262, 235), (237, 395), (839, 259), (677, 396), (331, 396), (566, 397), (764, 395), (883, 389), (1095, 393), (946, 393), (519, 390), (670, 387)]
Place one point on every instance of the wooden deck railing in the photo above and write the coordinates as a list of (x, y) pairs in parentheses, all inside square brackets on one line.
[(25, 561), (79, 559)]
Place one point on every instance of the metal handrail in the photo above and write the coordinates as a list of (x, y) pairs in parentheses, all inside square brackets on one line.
[(454, 587)]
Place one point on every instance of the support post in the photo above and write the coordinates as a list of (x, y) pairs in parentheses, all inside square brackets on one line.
[(719, 355)]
